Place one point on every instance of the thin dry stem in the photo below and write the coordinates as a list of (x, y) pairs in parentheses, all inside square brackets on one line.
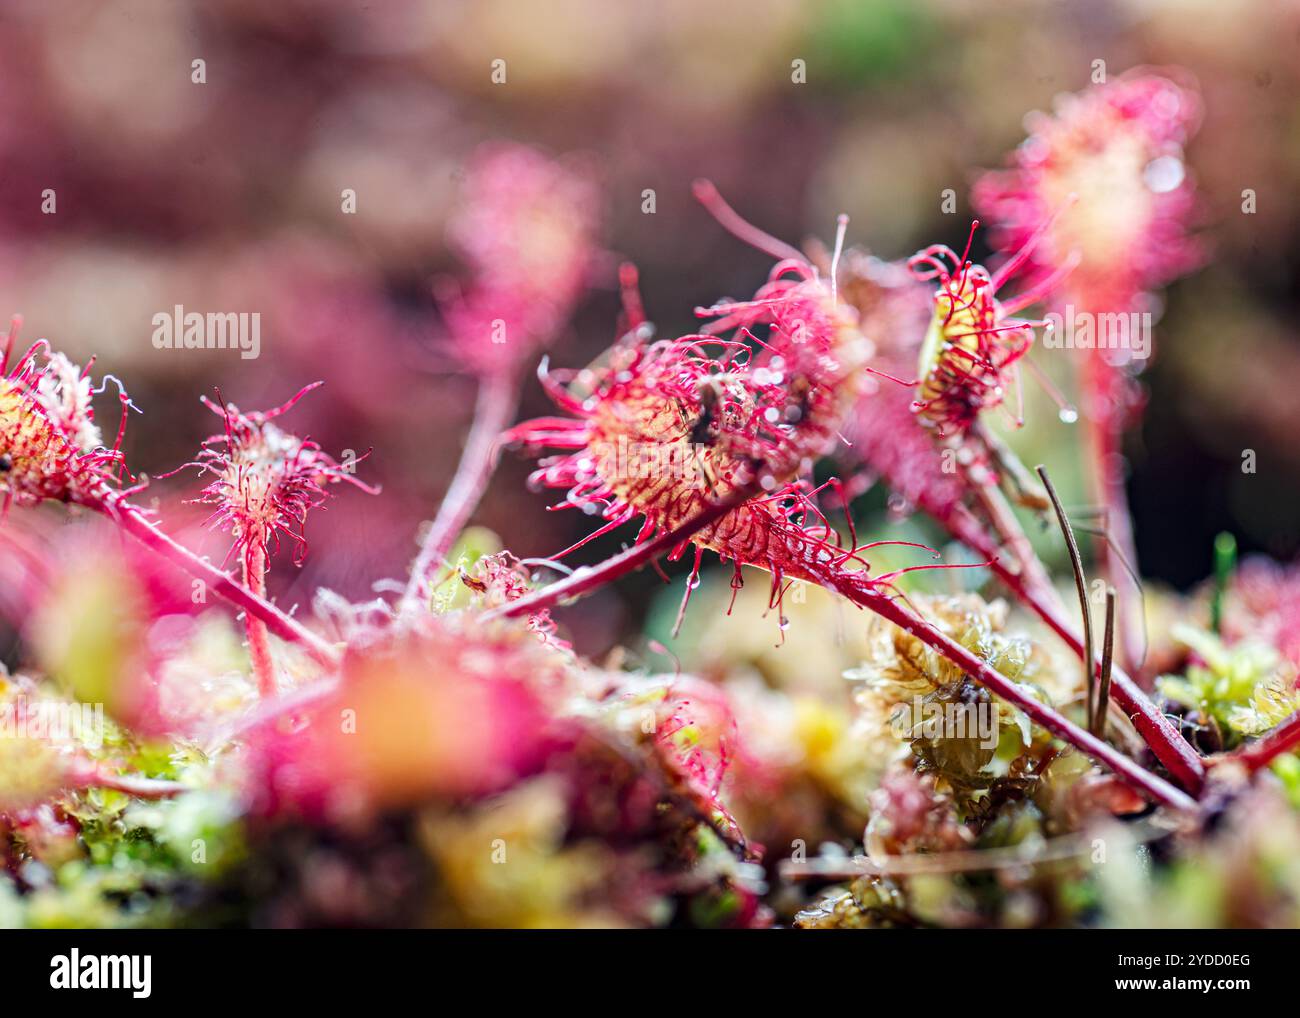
[(1081, 584), (497, 396), (1107, 481), (1107, 660)]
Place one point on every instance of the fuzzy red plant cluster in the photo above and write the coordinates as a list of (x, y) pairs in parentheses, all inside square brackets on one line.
[(50, 446), (1266, 597), (51, 450), (967, 363), (974, 342), (266, 480), (706, 442), (1103, 180), (1118, 150), (757, 507), (431, 712), (708, 418), (882, 440), (526, 229)]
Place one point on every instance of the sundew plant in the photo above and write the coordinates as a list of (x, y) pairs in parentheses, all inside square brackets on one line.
[(817, 601)]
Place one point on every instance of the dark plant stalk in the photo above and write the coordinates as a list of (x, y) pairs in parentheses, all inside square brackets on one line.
[(1104, 449), (1107, 660), (1263, 751), (131, 519), (1081, 584), (493, 411), (1156, 730)]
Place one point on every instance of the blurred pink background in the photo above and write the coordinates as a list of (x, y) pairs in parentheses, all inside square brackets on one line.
[(225, 196)]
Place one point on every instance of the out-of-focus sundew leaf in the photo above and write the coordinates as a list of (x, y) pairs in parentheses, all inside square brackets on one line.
[(88, 633)]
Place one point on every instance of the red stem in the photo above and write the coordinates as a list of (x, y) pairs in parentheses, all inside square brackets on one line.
[(89, 775), (585, 580), (133, 521), (259, 643), (849, 585), (1170, 748), (1281, 739), (1130, 772), (497, 397), (1008, 528)]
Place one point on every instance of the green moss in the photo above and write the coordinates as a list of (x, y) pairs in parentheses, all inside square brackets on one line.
[(1234, 685)]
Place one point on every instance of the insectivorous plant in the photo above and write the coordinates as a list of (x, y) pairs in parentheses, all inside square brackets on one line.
[(51, 450), (973, 342), (265, 481), (50, 446), (753, 423), (527, 230), (670, 428), (451, 758), (888, 440), (1118, 147), (972, 350)]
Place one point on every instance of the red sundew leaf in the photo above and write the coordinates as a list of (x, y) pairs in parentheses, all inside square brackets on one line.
[(1118, 148), (50, 445), (266, 479), (526, 226), (426, 713)]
